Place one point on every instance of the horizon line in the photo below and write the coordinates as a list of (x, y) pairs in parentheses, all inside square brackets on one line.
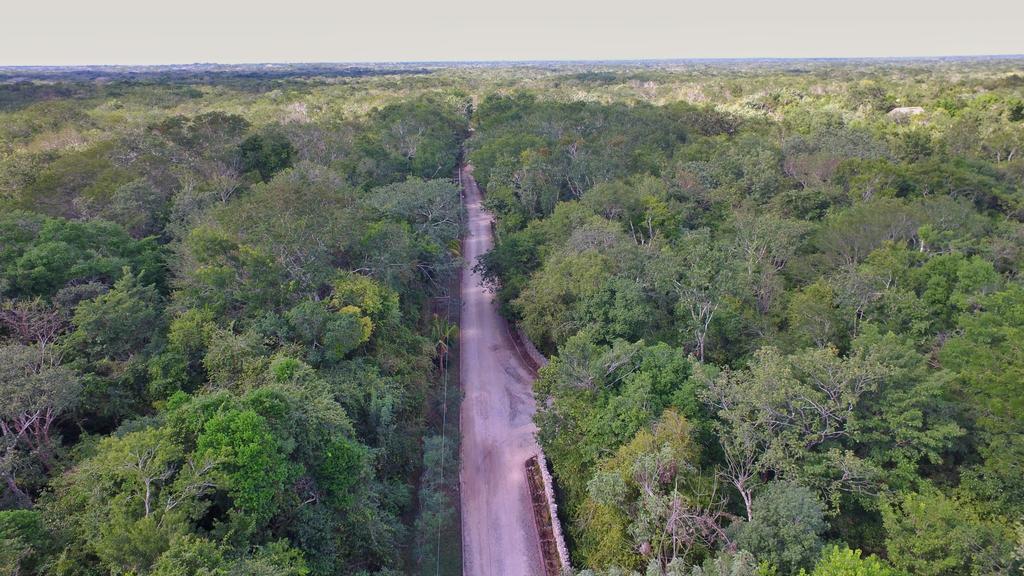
[(443, 62)]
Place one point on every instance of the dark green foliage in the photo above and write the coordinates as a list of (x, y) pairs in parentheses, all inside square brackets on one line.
[(118, 323), (987, 359), (418, 137), (786, 528), (266, 154), (202, 133), (330, 334), (24, 541), (41, 255), (547, 151)]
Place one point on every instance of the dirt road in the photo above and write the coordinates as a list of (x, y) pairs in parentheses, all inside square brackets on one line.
[(499, 536)]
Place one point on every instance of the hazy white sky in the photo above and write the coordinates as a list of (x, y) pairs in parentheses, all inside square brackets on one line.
[(38, 32)]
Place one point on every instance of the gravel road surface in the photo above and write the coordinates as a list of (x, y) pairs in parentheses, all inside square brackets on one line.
[(499, 535)]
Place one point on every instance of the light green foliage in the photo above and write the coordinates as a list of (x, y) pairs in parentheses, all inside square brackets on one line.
[(234, 359), (813, 317), (274, 559), (647, 503), (432, 206), (370, 297), (789, 414), (836, 561), (930, 534), (255, 467), (701, 276), (605, 396), (126, 503), (952, 283), (987, 353), (1018, 554), (31, 381), (302, 218), (191, 556), (547, 305), (179, 366), (226, 277)]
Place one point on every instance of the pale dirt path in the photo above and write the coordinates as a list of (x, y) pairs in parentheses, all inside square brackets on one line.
[(499, 535)]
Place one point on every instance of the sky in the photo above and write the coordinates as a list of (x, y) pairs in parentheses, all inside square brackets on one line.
[(83, 32)]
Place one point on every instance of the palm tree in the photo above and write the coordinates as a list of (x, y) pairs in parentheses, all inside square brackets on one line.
[(442, 332)]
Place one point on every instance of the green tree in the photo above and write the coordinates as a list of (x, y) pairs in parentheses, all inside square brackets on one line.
[(191, 556), (568, 279), (24, 541), (303, 218), (650, 498), (931, 534), (701, 274), (906, 422), (786, 527), (227, 277), (43, 255), (266, 154), (253, 463), (813, 317), (330, 334), (116, 324), (125, 504), (739, 563), (986, 357), (836, 561), (786, 414), (37, 391)]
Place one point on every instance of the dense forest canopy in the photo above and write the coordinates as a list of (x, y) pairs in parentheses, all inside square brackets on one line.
[(782, 302), (215, 353)]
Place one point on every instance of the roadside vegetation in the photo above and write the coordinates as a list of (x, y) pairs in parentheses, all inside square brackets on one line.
[(783, 308), (215, 358)]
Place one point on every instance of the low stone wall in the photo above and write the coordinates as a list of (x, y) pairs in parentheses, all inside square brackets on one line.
[(554, 555), (527, 351), (556, 525), (530, 349), (537, 360)]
